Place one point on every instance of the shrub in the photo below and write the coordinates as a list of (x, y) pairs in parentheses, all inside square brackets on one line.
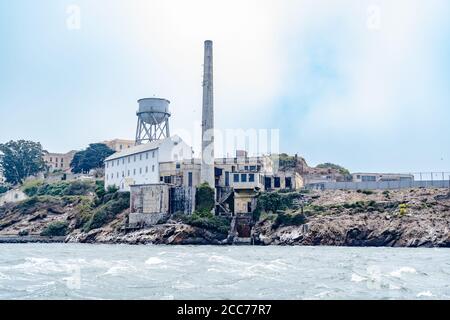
[(3, 188), (290, 219), (105, 213), (100, 188), (403, 209), (55, 229), (273, 201), (78, 188), (206, 220), (204, 198), (30, 188), (62, 188), (367, 192), (23, 233)]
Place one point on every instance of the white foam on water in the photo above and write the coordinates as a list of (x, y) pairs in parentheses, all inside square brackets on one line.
[(357, 278), (424, 294), (398, 273), (154, 261), (4, 276)]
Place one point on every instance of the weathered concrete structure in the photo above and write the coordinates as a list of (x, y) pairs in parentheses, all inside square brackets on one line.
[(148, 204)]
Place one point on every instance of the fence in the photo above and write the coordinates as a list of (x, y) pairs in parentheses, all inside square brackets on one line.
[(421, 180)]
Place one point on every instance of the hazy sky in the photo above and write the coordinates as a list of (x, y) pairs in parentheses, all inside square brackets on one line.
[(361, 83)]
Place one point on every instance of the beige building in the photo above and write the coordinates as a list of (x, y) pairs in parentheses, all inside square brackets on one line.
[(119, 144), (58, 161)]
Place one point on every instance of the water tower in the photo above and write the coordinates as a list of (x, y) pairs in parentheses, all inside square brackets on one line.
[(153, 120)]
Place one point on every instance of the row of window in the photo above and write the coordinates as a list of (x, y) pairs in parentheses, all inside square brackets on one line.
[(56, 159), (129, 172), (128, 159), (247, 168), (243, 177)]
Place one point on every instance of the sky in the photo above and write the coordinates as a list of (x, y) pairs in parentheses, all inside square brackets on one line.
[(364, 84)]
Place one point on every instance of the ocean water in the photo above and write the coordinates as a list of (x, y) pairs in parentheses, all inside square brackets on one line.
[(78, 271)]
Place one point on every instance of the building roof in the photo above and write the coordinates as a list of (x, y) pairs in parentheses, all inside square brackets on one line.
[(382, 174), (142, 148)]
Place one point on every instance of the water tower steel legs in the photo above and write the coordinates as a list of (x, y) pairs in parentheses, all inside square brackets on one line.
[(147, 132)]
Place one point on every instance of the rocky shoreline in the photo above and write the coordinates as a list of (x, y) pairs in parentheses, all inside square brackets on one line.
[(407, 218)]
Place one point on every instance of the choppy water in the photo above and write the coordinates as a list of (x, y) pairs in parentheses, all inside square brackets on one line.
[(76, 271)]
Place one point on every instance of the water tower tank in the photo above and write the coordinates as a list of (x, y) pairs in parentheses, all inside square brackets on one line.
[(153, 119), (153, 110)]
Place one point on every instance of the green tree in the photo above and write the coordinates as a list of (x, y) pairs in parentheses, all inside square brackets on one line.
[(91, 158), (21, 159), (204, 198)]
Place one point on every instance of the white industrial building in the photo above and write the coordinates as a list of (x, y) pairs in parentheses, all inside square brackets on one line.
[(140, 164)]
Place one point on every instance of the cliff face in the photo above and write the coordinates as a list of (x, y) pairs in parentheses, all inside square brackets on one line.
[(363, 229), (404, 218), (169, 233)]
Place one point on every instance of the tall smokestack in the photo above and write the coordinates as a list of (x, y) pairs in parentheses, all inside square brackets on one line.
[(207, 168)]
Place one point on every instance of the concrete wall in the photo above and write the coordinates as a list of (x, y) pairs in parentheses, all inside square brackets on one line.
[(148, 204), (381, 185)]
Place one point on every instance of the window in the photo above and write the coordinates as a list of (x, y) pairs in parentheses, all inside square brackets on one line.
[(120, 147), (56, 159), (288, 182), (251, 177), (134, 172), (235, 177), (190, 179), (233, 168), (140, 157), (134, 158), (368, 178), (252, 168), (146, 169), (129, 158), (112, 163), (167, 179), (153, 154), (153, 168), (246, 168), (117, 174), (140, 170), (62, 160), (178, 166), (118, 162), (160, 178), (51, 159), (123, 174), (276, 182), (123, 160), (146, 155), (128, 172), (112, 175), (243, 177)]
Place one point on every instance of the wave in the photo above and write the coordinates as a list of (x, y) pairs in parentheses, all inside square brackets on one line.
[(398, 273), (154, 261)]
